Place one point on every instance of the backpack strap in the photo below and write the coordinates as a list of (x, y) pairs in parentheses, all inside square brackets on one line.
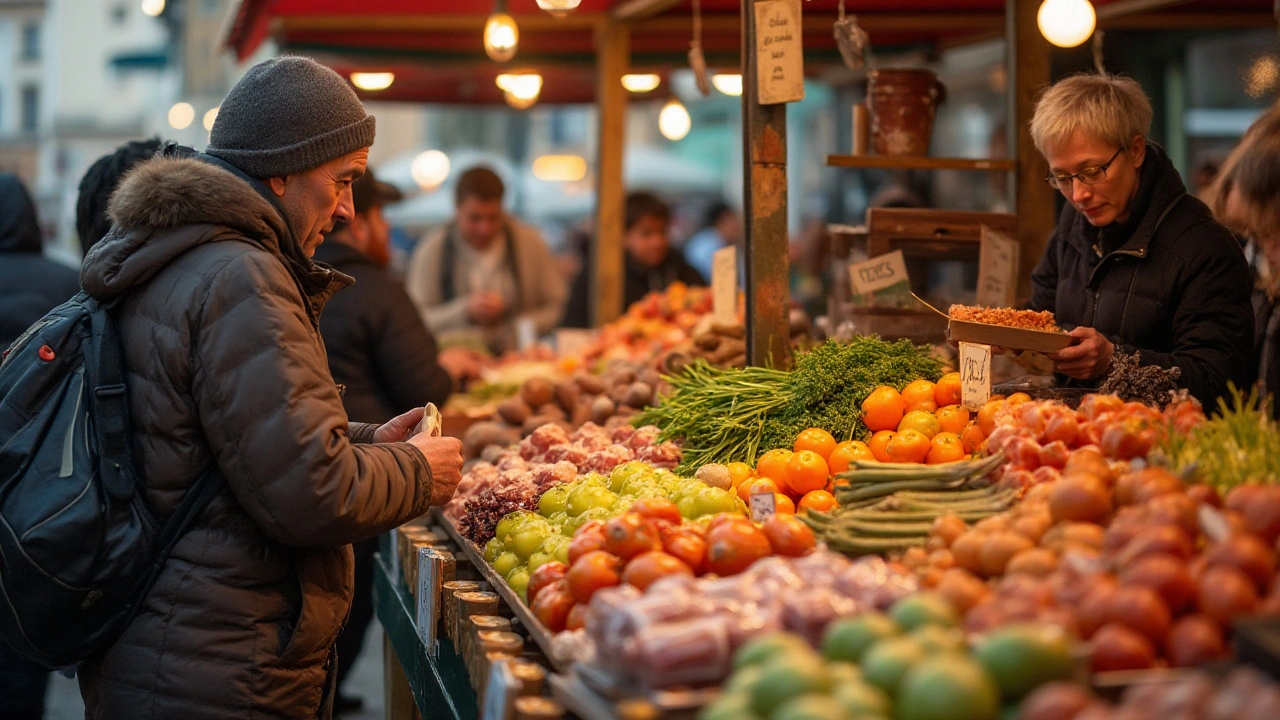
[(111, 405)]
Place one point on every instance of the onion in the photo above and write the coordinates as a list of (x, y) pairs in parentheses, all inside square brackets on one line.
[(1242, 496), (962, 589), (967, 549), (1204, 495), (1080, 497), (1262, 515), (1116, 647), (1175, 508), (1246, 553), (1163, 539), (948, 527), (1193, 640), (1036, 562), (1058, 700), (1165, 574), (1226, 593), (998, 549), (1141, 609), (1033, 525), (1154, 482)]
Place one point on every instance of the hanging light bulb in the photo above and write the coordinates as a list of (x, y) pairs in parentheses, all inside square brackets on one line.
[(641, 83), (674, 121), (520, 90), (181, 115), (728, 83), (559, 8), (372, 80), (501, 36), (430, 169), (1066, 23)]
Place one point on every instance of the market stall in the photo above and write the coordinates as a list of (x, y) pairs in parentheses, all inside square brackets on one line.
[(661, 523)]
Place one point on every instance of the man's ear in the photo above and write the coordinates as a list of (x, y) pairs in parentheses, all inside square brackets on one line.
[(277, 184)]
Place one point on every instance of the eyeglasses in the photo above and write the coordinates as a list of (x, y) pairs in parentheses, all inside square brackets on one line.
[(1087, 176)]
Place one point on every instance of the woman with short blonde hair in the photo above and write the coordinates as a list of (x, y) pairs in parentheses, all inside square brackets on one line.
[(1135, 265)]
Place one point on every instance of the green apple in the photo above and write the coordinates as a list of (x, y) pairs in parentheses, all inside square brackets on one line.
[(713, 501), (554, 500), (505, 563), (493, 549), (590, 496)]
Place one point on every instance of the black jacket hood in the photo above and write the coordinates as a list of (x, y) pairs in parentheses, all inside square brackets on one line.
[(19, 231)]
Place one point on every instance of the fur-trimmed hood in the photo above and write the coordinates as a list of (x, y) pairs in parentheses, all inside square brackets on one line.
[(166, 206)]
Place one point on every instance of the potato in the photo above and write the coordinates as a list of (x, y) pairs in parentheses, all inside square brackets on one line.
[(534, 422), (639, 395), (553, 411), (537, 392), (567, 394), (708, 342), (590, 384), (480, 436), (602, 409), (514, 410), (650, 377), (727, 351), (581, 415)]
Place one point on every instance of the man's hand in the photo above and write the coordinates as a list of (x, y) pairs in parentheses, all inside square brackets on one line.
[(1088, 359), (444, 455), (485, 308), (399, 428)]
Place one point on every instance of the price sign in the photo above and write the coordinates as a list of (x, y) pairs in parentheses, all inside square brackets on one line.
[(571, 341), (779, 52), (500, 693), (975, 375), (724, 286), (878, 273), (763, 506), (430, 586), (526, 333), (997, 269)]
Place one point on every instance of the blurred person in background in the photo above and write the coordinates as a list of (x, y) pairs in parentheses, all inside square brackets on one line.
[(477, 278), (723, 229), (381, 352), (30, 286), (99, 181), (1136, 263), (650, 263), (1246, 197)]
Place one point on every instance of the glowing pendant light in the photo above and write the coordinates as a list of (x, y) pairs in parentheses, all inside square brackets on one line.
[(1066, 23), (674, 121), (559, 8), (520, 90), (501, 36)]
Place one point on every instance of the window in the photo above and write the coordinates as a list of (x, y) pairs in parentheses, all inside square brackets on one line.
[(30, 110), (31, 41)]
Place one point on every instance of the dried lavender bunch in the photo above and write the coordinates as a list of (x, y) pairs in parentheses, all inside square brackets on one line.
[(1134, 382)]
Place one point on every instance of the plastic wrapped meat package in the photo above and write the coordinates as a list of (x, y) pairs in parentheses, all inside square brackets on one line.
[(689, 652), (807, 612), (873, 583)]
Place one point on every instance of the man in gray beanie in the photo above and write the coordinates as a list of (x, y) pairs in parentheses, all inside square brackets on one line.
[(210, 257)]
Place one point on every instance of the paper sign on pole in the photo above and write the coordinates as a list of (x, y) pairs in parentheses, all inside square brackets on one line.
[(499, 692), (997, 269), (779, 52), (430, 586), (724, 286), (975, 375), (878, 273)]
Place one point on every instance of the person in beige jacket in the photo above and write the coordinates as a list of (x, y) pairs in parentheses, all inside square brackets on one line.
[(484, 274)]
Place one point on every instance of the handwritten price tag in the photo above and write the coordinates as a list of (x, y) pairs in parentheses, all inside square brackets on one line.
[(763, 506), (500, 692), (430, 582), (724, 286), (997, 269), (878, 273), (779, 52), (975, 375)]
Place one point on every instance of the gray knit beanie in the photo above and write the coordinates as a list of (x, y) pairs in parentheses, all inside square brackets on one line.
[(286, 115)]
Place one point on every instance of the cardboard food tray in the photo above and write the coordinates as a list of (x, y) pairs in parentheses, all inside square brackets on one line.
[(1008, 337), (536, 630)]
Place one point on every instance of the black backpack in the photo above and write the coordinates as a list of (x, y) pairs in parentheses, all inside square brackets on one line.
[(80, 545)]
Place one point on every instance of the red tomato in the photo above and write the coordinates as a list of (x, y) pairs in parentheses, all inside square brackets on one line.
[(657, 508), (629, 535), (577, 617), (733, 546), (545, 576), (591, 572), (1064, 428), (1054, 454), (588, 538), (789, 536), (644, 570), (552, 608), (689, 546)]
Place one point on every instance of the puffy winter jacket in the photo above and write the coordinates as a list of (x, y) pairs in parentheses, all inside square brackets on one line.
[(30, 285), (226, 366)]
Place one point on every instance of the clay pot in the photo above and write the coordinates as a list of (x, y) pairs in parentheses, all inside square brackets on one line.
[(903, 104)]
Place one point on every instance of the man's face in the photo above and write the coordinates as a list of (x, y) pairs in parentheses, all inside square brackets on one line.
[(1107, 201), (372, 233), (647, 241), (315, 199), (479, 221), (730, 227)]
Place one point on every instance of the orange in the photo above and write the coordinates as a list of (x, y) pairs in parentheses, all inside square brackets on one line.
[(784, 504), (846, 453), (1018, 398), (817, 440), (879, 444), (764, 485), (972, 437), (987, 416), (908, 446), (947, 391), (739, 471), (945, 447), (952, 418), (773, 465), (922, 422), (817, 500), (919, 395), (806, 471), (882, 409)]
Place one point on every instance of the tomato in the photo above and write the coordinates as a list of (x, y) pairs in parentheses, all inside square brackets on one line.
[(689, 547), (591, 572), (1025, 453), (552, 608), (588, 538), (658, 508), (545, 576), (577, 617), (1062, 427), (733, 546), (629, 535), (1094, 405), (646, 569), (1081, 497), (1126, 442), (1054, 454), (789, 536)]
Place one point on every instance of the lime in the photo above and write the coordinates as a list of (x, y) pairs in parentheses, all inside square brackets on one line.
[(1024, 657), (861, 699), (937, 639), (766, 647), (809, 707), (888, 661), (787, 676), (922, 609), (947, 687), (848, 639)]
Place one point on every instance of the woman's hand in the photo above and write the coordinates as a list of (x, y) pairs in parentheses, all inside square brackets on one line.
[(1088, 359)]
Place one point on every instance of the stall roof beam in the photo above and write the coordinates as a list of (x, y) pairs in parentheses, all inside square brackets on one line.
[(633, 10)]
